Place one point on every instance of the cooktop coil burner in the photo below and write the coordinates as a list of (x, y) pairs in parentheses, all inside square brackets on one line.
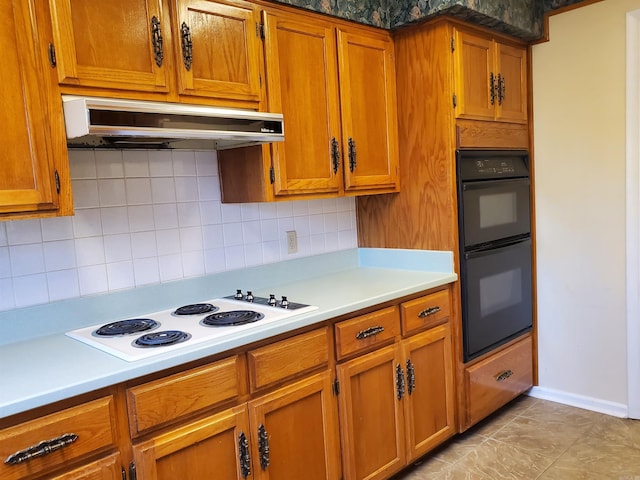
[(161, 339), (233, 317), (196, 309), (126, 327)]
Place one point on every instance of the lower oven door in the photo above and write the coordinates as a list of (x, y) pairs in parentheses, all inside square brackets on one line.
[(496, 296)]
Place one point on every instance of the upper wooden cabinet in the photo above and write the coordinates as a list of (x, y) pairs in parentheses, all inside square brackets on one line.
[(490, 79), (34, 177)]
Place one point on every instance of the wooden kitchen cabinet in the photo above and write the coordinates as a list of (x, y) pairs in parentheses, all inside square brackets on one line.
[(35, 179), (490, 78)]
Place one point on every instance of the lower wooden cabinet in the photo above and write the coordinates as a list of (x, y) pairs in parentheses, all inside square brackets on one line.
[(108, 468)]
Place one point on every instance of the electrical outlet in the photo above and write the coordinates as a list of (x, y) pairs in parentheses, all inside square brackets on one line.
[(292, 241)]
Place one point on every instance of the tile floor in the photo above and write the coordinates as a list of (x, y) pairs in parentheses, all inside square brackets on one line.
[(532, 439)]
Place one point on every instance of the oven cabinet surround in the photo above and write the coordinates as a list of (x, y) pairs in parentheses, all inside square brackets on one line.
[(334, 82), (190, 48), (35, 173), (424, 214)]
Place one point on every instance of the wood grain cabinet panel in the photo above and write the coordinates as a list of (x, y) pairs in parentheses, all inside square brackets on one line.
[(425, 312), (108, 468), (365, 332)]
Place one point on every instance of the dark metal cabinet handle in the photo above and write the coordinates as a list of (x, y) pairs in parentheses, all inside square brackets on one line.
[(504, 375), (492, 88), (335, 154), (411, 377), (369, 332), (399, 382), (132, 471), (263, 447), (429, 311), (41, 449), (501, 89), (352, 154), (156, 40), (245, 457), (187, 46)]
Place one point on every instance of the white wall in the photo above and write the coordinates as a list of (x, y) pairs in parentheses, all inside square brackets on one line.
[(579, 132), (145, 217)]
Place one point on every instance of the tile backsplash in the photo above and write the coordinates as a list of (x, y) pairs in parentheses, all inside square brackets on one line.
[(151, 216)]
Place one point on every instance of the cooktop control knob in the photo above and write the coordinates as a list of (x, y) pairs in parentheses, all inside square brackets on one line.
[(284, 303), (249, 297), (272, 300), (238, 295)]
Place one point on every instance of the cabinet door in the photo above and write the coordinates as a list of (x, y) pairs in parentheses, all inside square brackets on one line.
[(209, 448), (217, 49), (512, 83), (295, 432), (371, 415), (109, 468), (27, 182), (474, 76), (368, 106), (429, 403), (110, 44), (302, 83)]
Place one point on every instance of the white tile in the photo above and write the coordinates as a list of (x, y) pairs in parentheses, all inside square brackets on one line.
[(160, 163), (210, 213), (109, 164), (87, 223), (187, 189), (120, 275), (212, 237), (234, 257), (3, 234), (93, 279), (136, 163), (117, 248), (268, 210), (316, 224), (284, 225), (165, 216), (26, 259), (170, 267), (209, 188), (271, 251), (250, 211), (59, 255), (63, 284), (231, 212), (141, 218), (300, 207), (5, 263), (315, 207), (251, 232), (191, 239), (269, 229), (144, 245), (193, 263), (330, 222), (214, 261), (301, 225), (253, 255), (82, 164), (85, 193), (329, 205), (284, 209), (112, 192), (7, 302), (347, 239), (189, 214), (89, 251), (346, 204), (232, 234), (56, 228), (317, 244), (20, 232), (138, 191), (146, 271), (184, 163), (163, 190), (30, 290), (115, 220), (168, 242), (344, 221), (207, 163), (331, 241), (304, 246)]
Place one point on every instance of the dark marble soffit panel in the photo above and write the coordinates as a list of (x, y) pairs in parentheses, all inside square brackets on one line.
[(520, 18)]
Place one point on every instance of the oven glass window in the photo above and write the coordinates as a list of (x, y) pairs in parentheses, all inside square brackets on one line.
[(500, 291), (498, 209)]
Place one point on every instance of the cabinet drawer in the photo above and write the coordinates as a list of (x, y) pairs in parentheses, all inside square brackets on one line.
[(69, 434), (162, 401), (280, 360), (494, 381), (362, 333), (425, 312)]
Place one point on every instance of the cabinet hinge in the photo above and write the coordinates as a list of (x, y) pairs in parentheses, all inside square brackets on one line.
[(52, 55), (336, 387), (57, 180), (272, 175), (260, 30), (453, 44), (132, 471), (455, 101), (123, 473)]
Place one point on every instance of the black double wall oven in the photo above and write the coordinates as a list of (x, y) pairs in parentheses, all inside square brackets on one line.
[(495, 248)]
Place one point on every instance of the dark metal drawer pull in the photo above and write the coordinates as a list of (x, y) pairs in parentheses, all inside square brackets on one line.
[(369, 332), (428, 311), (504, 375), (41, 449), (399, 382), (187, 45), (263, 447), (411, 377), (245, 458), (156, 40)]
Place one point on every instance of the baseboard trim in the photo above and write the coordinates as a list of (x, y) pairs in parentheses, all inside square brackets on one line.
[(580, 401)]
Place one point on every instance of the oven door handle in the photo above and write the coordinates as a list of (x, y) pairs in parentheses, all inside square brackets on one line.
[(497, 248), (484, 184)]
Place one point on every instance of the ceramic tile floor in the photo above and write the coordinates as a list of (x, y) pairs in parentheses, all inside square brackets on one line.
[(533, 439)]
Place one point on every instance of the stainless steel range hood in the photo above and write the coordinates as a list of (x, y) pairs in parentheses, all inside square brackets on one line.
[(114, 123)]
